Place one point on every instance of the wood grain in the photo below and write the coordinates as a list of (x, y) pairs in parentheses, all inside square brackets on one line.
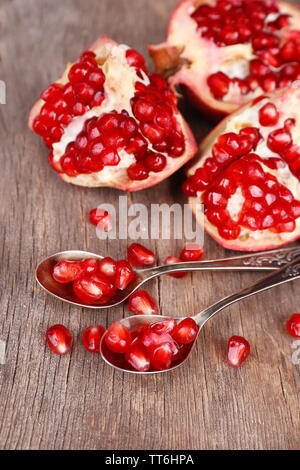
[(77, 402)]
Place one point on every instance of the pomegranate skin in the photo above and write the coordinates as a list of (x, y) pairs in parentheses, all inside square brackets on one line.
[(187, 58), (117, 175), (246, 239)]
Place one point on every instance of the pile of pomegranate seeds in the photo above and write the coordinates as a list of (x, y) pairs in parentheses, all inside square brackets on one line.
[(59, 339), (91, 338), (101, 218), (157, 346), (151, 134), (141, 303), (274, 43), (235, 167), (94, 280), (139, 255), (293, 325), (238, 351)]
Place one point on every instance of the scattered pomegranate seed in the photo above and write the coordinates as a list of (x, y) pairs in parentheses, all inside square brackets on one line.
[(174, 260), (124, 274), (191, 252), (186, 331), (59, 339), (67, 271), (91, 338), (141, 303), (238, 351), (101, 218), (138, 255), (293, 325), (118, 338)]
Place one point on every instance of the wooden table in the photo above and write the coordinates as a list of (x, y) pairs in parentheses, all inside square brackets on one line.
[(76, 401)]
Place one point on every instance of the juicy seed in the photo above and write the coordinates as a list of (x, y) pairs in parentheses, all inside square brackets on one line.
[(174, 260), (101, 219), (138, 255), (293, 325), (268, 115), (59, 339), (91, 338), (141, 303), (191, 252), (186, 331), (118, 338), (238, 351)]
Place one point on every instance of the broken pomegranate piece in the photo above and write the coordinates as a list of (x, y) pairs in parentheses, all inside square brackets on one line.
[(153, 347), (141, 303), (293, 325), (59, 339), (238, 351), (139, 255), (91, 338), (108, 122), (224, 53), (247, 175)]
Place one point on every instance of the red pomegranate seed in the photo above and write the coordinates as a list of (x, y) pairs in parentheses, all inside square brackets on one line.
[(141, 303), (138, 255), (91, 338), (293, 325), (164, 326), (90, 289), (219, 84), (174, 260), (238, 351), (191, 252), (137, 172), (137, 358), (161, 357), (101, 218), (134, 58), (155, 162), (186, 331), (108, 267), (67, 271), (59, 339), (124, 275), (279, 140), (118, 338), (90, 266), (268, 115)]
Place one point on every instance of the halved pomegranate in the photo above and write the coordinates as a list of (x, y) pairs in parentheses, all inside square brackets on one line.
[(108, 122), (227, 52), (247, 175)]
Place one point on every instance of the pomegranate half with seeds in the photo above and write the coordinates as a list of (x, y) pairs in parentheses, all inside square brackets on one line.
[(226, 52), (108, 122), (247, 175)]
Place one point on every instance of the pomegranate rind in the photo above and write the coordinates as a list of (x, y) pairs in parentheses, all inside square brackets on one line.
[(121, 180), (187, 59), (266, 239)]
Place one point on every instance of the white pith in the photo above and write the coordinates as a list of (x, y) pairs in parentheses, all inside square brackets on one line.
[(200, 53), (288, 104)]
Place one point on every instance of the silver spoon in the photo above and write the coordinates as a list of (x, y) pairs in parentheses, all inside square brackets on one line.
[(289, 272), (263, 261)]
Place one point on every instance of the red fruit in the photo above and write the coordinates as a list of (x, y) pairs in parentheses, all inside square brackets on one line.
[(59, 339), (191, 252), (174, 260), (204, 54), (186, 331), (91, 338), (238, 351), (101, 219), (93, 288), (137, 358), (141, 303), (293, 325), (118, 338), (164, 326), (90, 266), (161, 357), (67, 271), (107, 267), (124, 275), (116, 142), (246, 179), (138, 255)]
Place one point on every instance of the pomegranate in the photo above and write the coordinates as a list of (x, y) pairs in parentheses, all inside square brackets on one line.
[(151, 347), (59, 339), (101, 219), (191, 252), (67, 271), (293, 325), (141, 303), (91, 338), (238, 351), (226, 52), (139, 255), (247, 175), (108, 122)]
